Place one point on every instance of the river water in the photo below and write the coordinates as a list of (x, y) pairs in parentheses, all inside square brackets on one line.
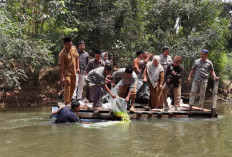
[(30, 132)]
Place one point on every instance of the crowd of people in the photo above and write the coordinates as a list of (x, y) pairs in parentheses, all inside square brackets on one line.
[(160, 72)]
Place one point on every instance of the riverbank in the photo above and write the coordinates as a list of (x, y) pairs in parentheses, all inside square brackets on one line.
[(45, 93)]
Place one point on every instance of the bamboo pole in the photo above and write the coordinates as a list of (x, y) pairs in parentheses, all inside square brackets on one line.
[(215, 97)]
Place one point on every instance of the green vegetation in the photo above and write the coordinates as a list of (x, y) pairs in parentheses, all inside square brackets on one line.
[(31, 32), (124, 116)]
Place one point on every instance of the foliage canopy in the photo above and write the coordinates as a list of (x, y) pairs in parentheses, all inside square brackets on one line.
[(32, 31)]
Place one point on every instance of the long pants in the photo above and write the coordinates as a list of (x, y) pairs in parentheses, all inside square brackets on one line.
[(99, 93), (91, 92), (177, 95), (69, 87), (79, 87), (74, 96), (194, 90)]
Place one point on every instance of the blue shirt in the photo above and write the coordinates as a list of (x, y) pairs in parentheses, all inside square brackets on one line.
[(67, 115)]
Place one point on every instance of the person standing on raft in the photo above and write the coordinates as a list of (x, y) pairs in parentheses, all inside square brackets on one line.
[(201, 67), (154, 75), (69, 66)]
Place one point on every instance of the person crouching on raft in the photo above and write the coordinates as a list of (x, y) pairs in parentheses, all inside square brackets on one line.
[(97, 79), (127, 85)]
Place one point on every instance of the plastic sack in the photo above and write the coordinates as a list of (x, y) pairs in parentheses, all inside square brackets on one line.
[(118, 104)]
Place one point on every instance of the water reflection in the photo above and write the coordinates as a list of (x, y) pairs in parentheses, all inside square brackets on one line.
[(30, 132)]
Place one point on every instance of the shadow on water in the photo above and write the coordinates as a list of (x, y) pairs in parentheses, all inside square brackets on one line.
[(30, 132)]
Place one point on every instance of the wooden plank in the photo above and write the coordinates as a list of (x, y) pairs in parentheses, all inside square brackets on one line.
[(215, 97), (186, 106), (180, 116), (142, 115)]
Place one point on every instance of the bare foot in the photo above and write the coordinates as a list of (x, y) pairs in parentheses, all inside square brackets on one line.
[(190, 107), (166, 108), (201, 108), (97, 108), (132, 108), (175, 108), (84, 107)]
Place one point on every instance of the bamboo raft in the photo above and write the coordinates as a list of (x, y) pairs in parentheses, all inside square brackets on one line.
[(145, 113), (142, 113)]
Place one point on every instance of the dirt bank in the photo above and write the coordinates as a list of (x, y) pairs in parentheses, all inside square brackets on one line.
[(45, 93)]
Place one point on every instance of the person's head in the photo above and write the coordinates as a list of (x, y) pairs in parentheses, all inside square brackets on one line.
[(97, 55), (67, 43), (128, 71), (204, 54), (166, 50), (156, 60), (145, 54), (105, 56), (75, 105), (139, 54), (81, 46), (107, 68), (177, 60)]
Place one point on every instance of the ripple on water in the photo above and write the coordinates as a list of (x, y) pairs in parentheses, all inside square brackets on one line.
[(101, 124)]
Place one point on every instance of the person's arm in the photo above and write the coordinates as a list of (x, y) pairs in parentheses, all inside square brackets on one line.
[(87, 68), (108, 91), (74, 118), (62, 78), (168, 73), (178, 75), (148, 58), (190, 74), (161, 80), (128, 96), (145, 75), (214, 75), (60, 92), (136, 66), (77, 62), (61, 66)]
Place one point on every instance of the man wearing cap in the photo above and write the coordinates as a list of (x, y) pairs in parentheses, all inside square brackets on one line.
[(165, 59), (127, 85), (97, 79), (202, 68), (69, 66), (69, 115), (136, 66), (83, 62)]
